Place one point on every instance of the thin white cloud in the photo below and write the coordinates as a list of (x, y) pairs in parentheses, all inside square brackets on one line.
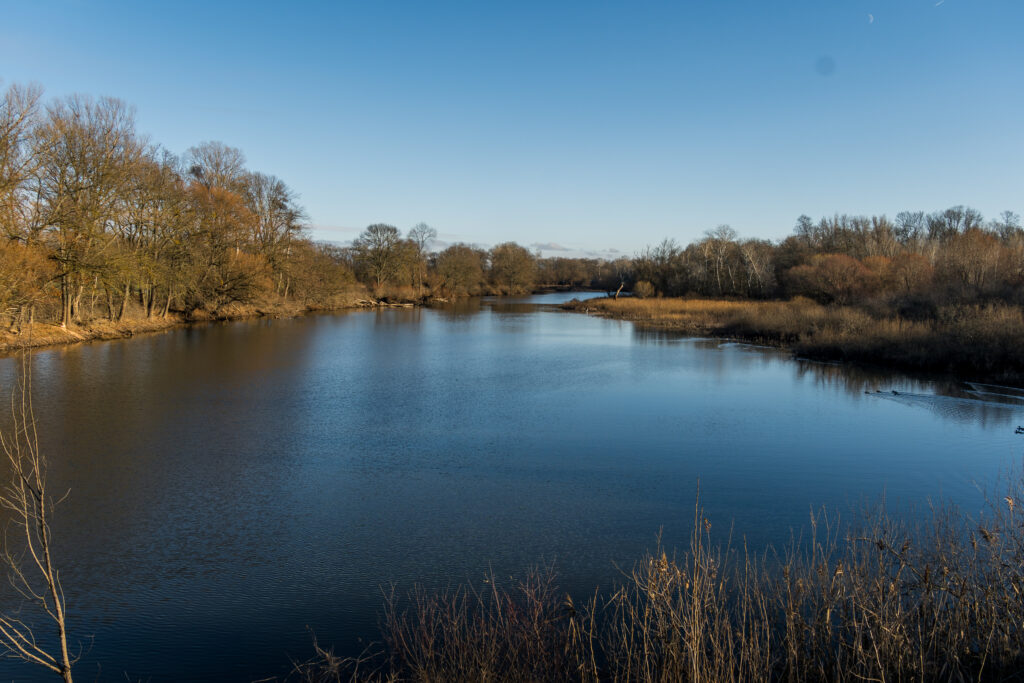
[(605, 254), (549, 246)]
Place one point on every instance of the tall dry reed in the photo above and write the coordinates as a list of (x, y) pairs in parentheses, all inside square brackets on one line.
[(871, 600), (982, 341)]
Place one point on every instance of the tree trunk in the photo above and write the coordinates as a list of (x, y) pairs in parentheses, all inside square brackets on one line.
[(65, 302), (76, 307), (94, 293), (124, 302), (56, 595), (13, 329)]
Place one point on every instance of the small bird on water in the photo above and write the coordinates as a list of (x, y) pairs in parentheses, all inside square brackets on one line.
[(1020, 430)]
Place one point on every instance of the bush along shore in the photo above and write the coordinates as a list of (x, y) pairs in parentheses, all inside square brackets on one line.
[(980, 341), (869, 600)]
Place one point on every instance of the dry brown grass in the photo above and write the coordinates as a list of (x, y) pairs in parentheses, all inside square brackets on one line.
[(711, 316), (872, 601), (41, 334), (981, 340)]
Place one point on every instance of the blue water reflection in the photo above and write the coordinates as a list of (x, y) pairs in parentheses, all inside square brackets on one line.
[(232, 484)]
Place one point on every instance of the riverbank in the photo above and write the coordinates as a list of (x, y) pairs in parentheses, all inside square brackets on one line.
[(979, 341), (40, 335)]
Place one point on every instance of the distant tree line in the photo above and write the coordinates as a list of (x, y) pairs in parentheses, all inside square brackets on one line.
[(917, 261), (405, 267), (914, 262), (98, 222)]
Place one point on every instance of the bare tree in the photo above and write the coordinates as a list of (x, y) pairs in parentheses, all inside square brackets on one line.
[(378, 248), (278, 224), (460, 268), (718, 246), (757, 260), (421, 235), (18, 112), (1008, 225), (214, 164), (86, 149), (943, 225), (910, 225), (28, 543), (513, 267)]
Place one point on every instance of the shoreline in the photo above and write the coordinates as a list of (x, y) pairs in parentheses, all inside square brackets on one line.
[(982, 348), (809, 331), (40, 336)]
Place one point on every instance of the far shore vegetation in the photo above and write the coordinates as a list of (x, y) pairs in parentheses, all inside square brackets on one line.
[(979, 341), (104, 233)]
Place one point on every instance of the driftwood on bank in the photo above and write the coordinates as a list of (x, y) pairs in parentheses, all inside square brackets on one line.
[(373, 303)]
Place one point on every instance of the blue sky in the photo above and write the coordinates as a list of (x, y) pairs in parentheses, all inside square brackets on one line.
[(596, 126)]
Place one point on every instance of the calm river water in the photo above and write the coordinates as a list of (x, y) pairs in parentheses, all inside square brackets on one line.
[(232, 485)]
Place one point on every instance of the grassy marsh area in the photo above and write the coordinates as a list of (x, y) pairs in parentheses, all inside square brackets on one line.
[(980, 341)]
